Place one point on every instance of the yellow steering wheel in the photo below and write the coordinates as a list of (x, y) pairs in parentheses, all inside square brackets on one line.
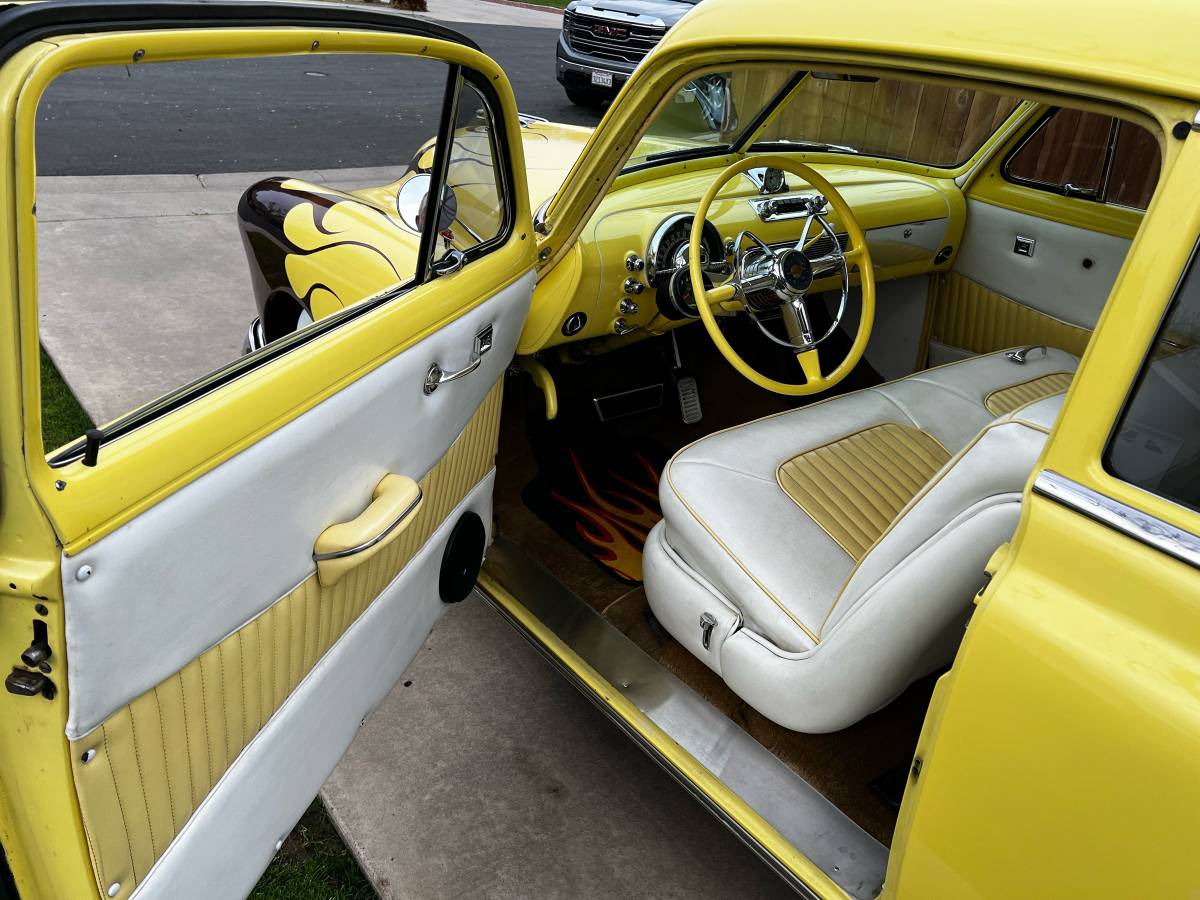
[(768, 278)]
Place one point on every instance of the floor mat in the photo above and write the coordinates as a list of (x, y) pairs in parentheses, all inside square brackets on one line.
[(599, 490)]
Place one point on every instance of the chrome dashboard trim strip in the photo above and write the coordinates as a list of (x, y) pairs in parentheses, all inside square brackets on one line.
[(1149, 530), (836, 844)]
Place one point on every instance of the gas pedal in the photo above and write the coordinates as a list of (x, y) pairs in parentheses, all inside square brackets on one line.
[(689, 400)]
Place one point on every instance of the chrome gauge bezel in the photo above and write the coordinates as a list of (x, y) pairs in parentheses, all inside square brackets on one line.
[(660, 233)]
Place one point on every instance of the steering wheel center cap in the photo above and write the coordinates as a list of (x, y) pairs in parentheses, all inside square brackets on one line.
[(794, 271)]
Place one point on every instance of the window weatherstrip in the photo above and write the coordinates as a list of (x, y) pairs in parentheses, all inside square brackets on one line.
[(1142, 527), (441, 162)]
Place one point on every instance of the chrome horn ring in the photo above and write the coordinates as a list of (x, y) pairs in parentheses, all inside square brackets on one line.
[(789, 274)]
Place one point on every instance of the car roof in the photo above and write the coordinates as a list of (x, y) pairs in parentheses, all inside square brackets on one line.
[(1148, 46)]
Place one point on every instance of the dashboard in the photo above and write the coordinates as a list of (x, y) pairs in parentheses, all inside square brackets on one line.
[(628, 276)]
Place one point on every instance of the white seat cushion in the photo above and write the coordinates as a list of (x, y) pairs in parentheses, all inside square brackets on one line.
[(784, 529)]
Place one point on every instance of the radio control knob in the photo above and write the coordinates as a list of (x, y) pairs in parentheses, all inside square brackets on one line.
[(634, 263), (633, 286)]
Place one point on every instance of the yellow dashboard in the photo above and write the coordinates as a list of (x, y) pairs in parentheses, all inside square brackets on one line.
[(617, 279)]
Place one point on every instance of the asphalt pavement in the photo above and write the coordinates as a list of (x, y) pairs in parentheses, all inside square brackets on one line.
[(252, 115)]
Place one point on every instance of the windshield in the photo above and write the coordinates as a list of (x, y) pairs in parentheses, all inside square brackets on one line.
[(784, 108)]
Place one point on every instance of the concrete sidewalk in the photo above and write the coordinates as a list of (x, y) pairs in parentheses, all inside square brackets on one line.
[(484, 774), (143, 283)]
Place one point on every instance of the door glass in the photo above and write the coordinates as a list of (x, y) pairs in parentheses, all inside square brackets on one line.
[(1067, 150), (1157, 441), (191, 212), (473, 174), (1135, 167), (1089, 156)]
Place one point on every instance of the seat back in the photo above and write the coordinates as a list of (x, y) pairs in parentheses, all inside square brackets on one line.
[(929, 562)]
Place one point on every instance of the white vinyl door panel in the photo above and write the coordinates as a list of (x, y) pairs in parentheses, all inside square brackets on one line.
[(1055, 279), (269, 786), (198, 566)]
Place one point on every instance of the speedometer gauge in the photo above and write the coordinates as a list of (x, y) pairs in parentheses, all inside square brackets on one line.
[(667, 259)]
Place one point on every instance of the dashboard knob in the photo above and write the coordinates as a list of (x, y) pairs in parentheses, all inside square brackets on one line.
[(628, 307), (633, 286), (634, 263), (620, 326)]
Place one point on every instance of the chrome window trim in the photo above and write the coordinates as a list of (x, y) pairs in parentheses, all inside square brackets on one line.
[(1142, 527)]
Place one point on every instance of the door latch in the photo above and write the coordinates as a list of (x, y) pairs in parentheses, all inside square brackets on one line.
[(1023, 245)]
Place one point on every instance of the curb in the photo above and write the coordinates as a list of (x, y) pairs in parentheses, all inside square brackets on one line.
[(537, 7)]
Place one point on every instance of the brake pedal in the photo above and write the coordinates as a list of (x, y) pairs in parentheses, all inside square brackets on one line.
[(689, 400)]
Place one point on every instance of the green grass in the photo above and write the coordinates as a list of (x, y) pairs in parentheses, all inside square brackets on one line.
[(63, 419), (313, 863), (557, 4)]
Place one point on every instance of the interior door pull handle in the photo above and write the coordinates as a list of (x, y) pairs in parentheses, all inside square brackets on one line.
[(339, 548), (438, 376)]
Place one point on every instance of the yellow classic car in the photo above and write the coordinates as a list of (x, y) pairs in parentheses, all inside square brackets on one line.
[(850, 460)]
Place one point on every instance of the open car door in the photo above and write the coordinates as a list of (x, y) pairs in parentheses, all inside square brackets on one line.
[(1078, 672), (204, 598)]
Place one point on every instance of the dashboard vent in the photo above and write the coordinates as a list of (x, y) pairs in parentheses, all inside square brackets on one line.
[(610, 39)]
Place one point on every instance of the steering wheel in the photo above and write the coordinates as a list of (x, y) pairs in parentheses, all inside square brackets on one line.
[(783, 277)]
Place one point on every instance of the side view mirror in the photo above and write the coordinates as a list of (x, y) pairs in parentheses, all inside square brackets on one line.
[(712, 95), (412, 202)]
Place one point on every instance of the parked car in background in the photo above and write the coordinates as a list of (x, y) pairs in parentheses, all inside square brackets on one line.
[(602, 42)]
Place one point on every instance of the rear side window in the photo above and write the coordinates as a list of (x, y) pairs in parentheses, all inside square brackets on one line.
[(1088, 156), (1157, 441)]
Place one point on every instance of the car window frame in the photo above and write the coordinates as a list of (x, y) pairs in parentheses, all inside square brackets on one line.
[(1148, 359), (1110, 152), (456, 76)]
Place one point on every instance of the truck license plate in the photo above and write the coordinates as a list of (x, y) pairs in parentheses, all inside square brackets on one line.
[(604, 79)]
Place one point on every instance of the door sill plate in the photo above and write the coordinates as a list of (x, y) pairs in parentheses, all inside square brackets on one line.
[(804, 837)]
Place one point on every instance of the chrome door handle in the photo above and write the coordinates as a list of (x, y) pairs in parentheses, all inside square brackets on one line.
[(437, 375), (450, 263)]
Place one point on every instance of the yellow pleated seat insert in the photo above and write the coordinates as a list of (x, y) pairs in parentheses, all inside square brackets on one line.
[(1005, 400), (856, 486)]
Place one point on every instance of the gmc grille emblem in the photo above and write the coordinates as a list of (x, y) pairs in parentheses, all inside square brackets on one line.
[(610, 31)]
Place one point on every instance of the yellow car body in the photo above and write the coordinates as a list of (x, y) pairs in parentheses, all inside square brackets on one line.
[(1086, 634)]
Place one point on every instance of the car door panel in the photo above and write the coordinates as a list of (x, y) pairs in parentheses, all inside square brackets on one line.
[(1054, 280), (166, 694), (248, 731), (996, 298), (231, 543)]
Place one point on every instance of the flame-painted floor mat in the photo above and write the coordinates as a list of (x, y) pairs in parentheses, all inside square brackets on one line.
[(599, 493)]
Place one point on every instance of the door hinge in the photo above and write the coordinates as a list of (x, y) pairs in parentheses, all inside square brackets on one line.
[(24, 683)]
